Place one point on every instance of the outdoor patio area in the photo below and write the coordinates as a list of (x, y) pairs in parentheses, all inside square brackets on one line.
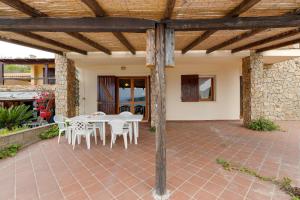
[(48, 170)]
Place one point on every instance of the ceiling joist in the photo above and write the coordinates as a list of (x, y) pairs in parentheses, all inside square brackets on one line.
[(50, 41), (26, 44), (99, 12), (242, 7), (276, 46), (169, 9), (268, 40)]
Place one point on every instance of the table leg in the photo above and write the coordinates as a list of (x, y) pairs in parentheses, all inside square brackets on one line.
[(136, 131), (103, 132)]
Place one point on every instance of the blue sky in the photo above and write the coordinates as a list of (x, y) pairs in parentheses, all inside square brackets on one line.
[(8, 50)]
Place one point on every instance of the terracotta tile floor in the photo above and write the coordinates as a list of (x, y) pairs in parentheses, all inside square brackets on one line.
[(48, 170)]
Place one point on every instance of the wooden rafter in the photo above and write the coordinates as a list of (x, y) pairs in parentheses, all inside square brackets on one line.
[(27, 9), (50, 41), (30, 45), (276, 46), (90, 42), (235, 39), (99, 12), (268, 40), (242, 7), (244, 35), (169, 9)]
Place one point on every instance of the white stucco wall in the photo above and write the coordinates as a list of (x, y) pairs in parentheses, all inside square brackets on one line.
[(226, 69)]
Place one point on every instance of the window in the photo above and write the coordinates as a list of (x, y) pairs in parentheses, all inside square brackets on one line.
[(206, 88), (196, 88)]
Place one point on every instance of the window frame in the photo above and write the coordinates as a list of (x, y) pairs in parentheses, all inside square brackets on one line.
[(212, 90)]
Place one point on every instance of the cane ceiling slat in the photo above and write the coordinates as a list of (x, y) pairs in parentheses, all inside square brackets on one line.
[(257, 37), (7, 11), (272, 7), (107, 40), (61, 8), (12, 35), (151, 9), (64, 38)]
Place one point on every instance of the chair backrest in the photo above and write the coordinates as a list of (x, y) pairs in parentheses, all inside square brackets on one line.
[(59, 119), (117, 126), (99, 113), (79, 125), (125, 113)]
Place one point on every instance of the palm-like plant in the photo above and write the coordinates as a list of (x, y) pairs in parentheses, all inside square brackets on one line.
[(15, 116)]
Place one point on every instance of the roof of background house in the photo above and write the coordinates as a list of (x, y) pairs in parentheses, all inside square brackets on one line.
[(15, 96)]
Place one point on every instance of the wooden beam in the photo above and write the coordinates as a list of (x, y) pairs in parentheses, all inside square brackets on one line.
[(90, 42), (268, 40), (85, 24), (124, 41), (50, 41), (169, 9), (95, 7), (160, 136), (242, 7), (1, 73), (30, 45), (99, 12), (150, 49), (276, 46), (24, 8), (27, 61), (235, 39), (240, 23)]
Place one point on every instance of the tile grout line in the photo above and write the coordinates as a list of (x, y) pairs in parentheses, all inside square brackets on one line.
[(34, 174)]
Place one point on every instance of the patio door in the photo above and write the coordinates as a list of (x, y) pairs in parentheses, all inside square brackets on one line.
[(132, 95), (107, 94)]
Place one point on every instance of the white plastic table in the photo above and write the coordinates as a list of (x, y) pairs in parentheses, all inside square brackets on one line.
[(135, 119)]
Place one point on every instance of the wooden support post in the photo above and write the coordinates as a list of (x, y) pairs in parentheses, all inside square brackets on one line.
[(160, 103), (46, 79), (170, 47), (1, 73), (150, 48)]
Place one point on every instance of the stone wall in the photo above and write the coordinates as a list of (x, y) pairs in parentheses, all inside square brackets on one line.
[(24, 137), (282, 90), (271, 91), (65, 93)]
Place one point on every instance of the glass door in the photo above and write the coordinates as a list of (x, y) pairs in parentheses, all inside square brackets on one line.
[(132, 95)]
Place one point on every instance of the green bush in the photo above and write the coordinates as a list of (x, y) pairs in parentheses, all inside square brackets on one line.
[(5, 131), (15, 116), (50, 133), (263, 124), (9, 151)]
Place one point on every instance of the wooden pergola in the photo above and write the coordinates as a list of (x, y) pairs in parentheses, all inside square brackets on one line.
[(157, 26)]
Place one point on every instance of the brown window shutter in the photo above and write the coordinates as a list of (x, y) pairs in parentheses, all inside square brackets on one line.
[(189, 88)]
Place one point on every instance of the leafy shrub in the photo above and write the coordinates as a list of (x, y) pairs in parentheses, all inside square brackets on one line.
[(50, 133), (152, 129), (15, 116), (9, 151), (263, 124), (5, 131)]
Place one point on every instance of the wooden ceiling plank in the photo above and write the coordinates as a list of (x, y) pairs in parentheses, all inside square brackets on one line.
[(90, 42), (242, 7), (267, 40), (276, 46), (30, 45), (50, 41), (99, 12), (169, 9)]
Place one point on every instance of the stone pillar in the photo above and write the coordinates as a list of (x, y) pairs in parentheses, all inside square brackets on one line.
[(65, 92), (253, 91)]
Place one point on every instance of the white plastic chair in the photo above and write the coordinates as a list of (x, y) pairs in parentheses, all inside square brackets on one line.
[(62, 127), (128, 125), (100, 126), (117, 128), (80, 128)]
